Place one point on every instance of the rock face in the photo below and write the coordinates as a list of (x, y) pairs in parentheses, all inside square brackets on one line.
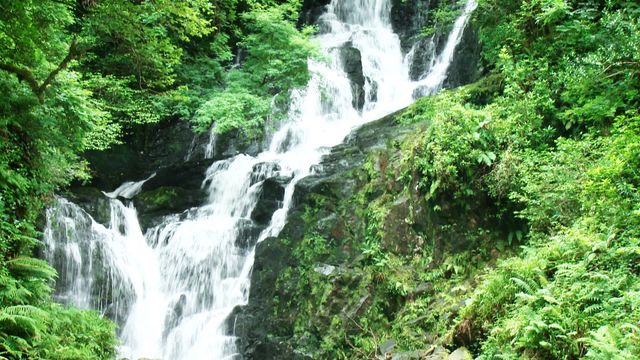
[(465, 67), (311, 11), (352, 60), (263, 336), (178, 157), (408, 19), (159, 148)]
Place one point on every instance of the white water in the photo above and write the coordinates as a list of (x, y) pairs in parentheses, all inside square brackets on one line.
[(129, 189), (178, 283)]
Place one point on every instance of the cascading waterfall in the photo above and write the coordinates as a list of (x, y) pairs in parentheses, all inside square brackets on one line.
[(173, 288)]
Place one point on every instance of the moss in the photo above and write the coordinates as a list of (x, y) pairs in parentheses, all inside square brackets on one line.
[(162, 197)]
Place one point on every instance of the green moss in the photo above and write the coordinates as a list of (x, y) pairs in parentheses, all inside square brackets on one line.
[(160, 197)]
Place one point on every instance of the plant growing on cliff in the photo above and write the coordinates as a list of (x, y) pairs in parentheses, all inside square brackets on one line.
[(275, 63)]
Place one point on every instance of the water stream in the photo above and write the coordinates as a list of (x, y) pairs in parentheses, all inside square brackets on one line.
[(173, 287)]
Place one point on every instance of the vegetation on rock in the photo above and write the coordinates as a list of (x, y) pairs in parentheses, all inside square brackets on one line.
[(506, 223)]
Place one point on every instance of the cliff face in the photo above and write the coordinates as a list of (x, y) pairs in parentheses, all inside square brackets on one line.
[(353, 257)]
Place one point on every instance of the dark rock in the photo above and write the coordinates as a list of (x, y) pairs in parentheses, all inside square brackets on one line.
[(400, 237), (265, 336), (352, 64), (423, 53), (168, 144), (165, 200), (233, 143), (311, 11), (407, 355), (270, 199), (262, 171), (461, 354), (174, 315), (439, 353), (187, 175), (464, 67), (250, 323), (408, 17), (91, 200), (248, 233)]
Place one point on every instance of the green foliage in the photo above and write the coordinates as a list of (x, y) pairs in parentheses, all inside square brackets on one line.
[(440, 18), (277, 52), (533, 169), (72, 334), (276, 62), (233, 110)]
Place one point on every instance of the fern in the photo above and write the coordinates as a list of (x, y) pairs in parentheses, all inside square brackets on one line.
[(28, 267), (22, 319), (527, 288), (12, 346)]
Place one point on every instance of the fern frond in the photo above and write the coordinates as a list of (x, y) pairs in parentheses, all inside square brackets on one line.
[(13, 346), (25, 310), (590, 310), (528, 289), (22, 319), (31, 267)]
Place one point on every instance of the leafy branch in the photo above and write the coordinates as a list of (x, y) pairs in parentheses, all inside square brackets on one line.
[(27, 76)]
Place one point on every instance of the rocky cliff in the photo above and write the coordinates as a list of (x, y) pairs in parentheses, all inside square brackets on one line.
[(351, 258)]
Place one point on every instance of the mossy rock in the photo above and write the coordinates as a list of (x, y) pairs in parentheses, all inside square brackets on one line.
[(165, 200), (162, 197)]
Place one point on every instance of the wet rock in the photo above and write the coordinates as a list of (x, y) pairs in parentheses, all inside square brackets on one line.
[(311, 11), (263, 170), (464, 67), (168, 144), (259, 331), (174, 315), (91, 200), (324, 269), (408, 17), (352, 63), (400, 237), (270, 199), (408, 355), (248, 233), (421, 289), (165, 200), (188, 175), (421, 60)]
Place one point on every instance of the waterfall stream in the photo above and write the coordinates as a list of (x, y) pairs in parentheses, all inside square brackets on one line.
[(172, 287)]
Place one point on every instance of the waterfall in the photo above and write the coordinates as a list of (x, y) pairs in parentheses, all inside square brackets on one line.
[(173, 287)]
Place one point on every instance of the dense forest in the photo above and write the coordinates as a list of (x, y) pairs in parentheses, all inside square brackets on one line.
[(522, 188)]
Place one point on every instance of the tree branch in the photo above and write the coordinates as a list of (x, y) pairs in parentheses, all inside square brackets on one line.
[(26, 75), (23, 75), (73, 52)]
